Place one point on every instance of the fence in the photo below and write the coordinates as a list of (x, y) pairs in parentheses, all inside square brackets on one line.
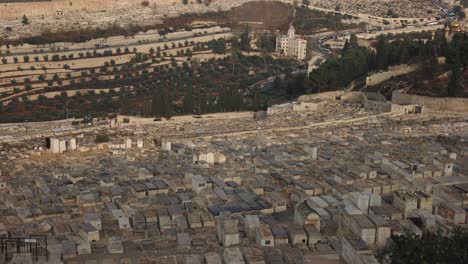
[(35, 244)]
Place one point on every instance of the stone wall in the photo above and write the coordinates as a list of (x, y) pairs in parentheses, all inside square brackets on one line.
[(382, 107), (369, 36), (333, 95), (432, 103), (393, 71), (61, 7), (404, 109)]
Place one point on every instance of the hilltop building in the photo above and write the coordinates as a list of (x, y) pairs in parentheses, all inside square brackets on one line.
[(291, 45)]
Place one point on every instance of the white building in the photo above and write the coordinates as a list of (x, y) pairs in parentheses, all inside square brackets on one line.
[(291, 45)]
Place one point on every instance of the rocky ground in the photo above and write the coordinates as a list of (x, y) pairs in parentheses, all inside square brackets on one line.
[(142, 16), (387, 8)]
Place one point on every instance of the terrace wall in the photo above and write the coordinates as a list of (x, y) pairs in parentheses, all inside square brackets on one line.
[(393, 71), (451, 104)]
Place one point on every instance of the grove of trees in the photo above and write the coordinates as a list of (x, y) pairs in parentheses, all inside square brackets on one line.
[(430, 248), (356, 61)]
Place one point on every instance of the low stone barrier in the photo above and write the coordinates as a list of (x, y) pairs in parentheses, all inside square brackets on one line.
[(452, 104)]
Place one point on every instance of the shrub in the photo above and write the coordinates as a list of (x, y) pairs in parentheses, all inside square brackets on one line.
[(101, 138)]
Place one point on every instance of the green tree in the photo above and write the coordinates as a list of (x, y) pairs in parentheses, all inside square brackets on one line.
[(42, 99), (336, 73), (345, 46), (161, 104), (353, 41), (257, 101), (101, 138), (382, 53), (296, 85), (430, 248), (245, 39), (277, 83), (218, 46), (454, 85), (25, 20), (188, 102), (266, 43)]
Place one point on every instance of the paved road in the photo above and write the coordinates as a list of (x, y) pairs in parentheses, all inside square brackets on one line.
[(370, 19)]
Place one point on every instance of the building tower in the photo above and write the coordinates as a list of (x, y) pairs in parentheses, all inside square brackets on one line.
[(291, 32), (291, 45)]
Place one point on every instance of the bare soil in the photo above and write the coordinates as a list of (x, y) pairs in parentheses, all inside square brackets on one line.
[(271, 15), (260, 15)]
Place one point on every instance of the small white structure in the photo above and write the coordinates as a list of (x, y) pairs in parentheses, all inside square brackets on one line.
[(251, 222), (94, 220), (305, 215), (72, 144), (62, 146), (115, 246), (89, 233), (228, 232), (312, 152), (360, 200), (55, 145), (124, 222), (233, 256), (128, 143), (83, 247), (264, 237), (166, 145), (446, 166), (219, 158), (140, 143), (210, 158), (278, 202), (198, 183)]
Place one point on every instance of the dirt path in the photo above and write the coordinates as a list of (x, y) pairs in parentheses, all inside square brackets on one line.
[(294, 16), (287, 128)]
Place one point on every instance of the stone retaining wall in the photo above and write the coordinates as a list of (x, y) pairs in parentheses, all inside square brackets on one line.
[(452, 104), (60, 7), (393, 71)]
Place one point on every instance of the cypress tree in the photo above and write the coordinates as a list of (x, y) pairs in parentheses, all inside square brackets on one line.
[(257, 101), (454, 84), (188, 102)]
